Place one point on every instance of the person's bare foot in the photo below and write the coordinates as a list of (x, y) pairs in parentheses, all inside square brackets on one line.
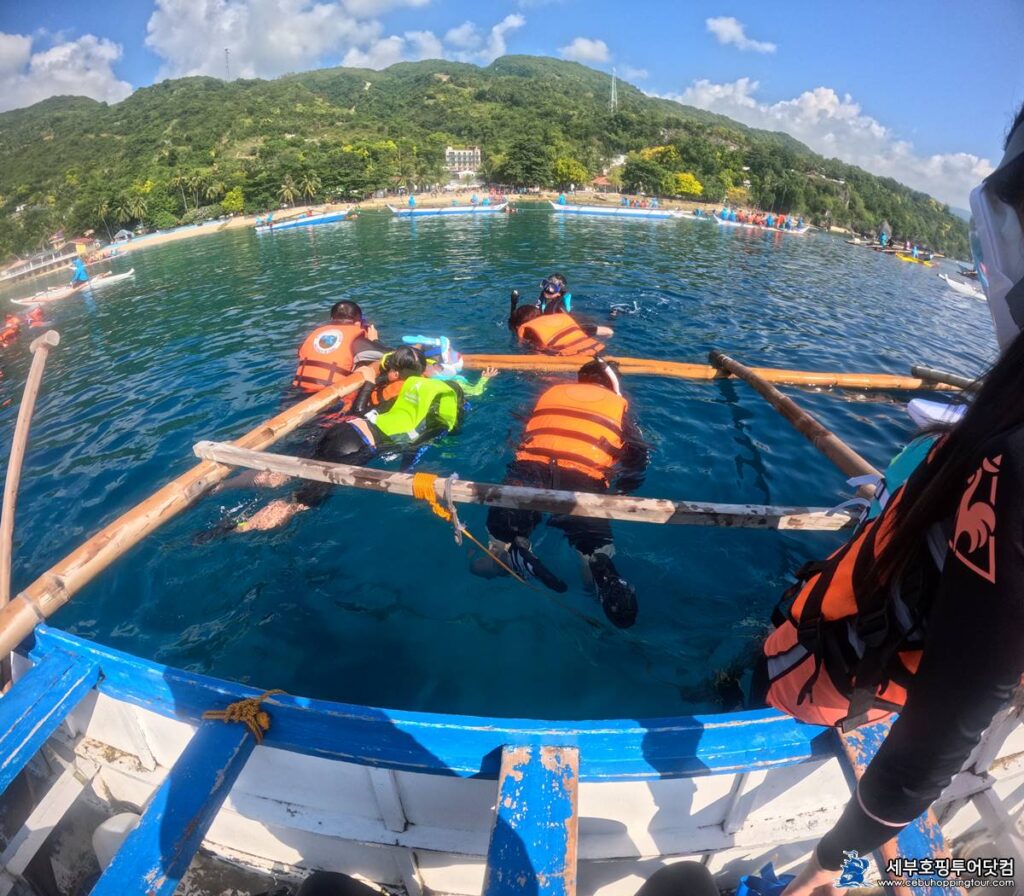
[(271, 516)]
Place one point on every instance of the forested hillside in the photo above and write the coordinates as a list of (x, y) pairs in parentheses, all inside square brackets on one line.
[(192, 148)]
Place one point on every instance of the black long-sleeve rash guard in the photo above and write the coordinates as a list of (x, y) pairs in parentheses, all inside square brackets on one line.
[(972, 662)]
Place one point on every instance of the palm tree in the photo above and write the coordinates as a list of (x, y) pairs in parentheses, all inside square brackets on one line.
[(288, 192), (137, 206), (180, 181), (310, 184), (214, 190), (103, 209)]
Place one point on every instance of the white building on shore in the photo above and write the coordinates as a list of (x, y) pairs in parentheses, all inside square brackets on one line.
[(462, 160)]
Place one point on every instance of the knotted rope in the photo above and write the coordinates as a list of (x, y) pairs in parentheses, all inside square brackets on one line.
[(249, 712)]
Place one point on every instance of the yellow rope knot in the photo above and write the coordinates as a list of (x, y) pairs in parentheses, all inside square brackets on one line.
[(423, 489), (248, 712)]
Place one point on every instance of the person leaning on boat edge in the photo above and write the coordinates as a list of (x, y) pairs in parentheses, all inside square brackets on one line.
[(953, 553), (332, 351)]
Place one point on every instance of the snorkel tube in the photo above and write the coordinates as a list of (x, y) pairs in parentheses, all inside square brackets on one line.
[(997, 244)]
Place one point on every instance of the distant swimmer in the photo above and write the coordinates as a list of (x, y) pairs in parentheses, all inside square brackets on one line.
[(621, 308), (579, 437), (332, 351), (81, 275), (423, 408)]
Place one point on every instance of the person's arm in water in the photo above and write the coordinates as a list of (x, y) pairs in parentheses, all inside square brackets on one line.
[(972, 663), (477, 389), (635, 457), (367, 349)]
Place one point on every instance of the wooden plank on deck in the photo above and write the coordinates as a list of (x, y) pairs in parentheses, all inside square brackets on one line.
[(533, 842), (158, 852), (34, 708), (922, 839)]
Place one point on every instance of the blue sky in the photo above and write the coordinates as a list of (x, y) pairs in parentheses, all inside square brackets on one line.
[(920, 91)]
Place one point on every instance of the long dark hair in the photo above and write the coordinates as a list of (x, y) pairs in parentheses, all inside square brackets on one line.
[(995, 408)]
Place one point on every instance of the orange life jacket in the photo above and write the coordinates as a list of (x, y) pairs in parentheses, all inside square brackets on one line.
[(326, 356), (844, 650), (559, 334), (576, 426)]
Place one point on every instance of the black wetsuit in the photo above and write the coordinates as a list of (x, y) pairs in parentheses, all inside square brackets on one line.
[(585, 534), (972, 662)]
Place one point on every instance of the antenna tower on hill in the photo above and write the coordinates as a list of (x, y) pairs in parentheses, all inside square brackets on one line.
[(227, 64), (615, 94)]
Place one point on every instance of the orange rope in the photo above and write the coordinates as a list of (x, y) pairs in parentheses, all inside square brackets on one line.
[(423, 489)]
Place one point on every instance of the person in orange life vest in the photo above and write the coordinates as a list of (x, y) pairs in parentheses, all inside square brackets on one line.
[(580, 437), (924, 607), (332, 351), (554, 332), (11, 329)]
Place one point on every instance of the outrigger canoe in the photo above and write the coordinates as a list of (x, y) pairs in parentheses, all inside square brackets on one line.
[(105, 280), (965, 289), (448, 210), (747, 225), (303, 221), (616, 211)]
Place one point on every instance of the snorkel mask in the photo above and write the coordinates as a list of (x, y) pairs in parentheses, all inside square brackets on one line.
[(552, 289), (997, 244), (610, 375)]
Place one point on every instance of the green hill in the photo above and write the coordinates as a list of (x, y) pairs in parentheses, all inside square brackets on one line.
[(186, 149)]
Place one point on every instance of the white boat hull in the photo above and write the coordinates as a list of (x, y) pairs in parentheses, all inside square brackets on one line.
[(102, 282), (448, 210), (420, 832), (964, 289), (615, 211)]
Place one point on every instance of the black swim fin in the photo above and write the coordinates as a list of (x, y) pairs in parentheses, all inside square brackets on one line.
[(617, 596), (525, 562)]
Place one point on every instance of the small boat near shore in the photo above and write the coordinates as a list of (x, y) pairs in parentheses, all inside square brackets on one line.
[(448, 210), (105, 280), (615, 211), (302, 221), (748, 226), (911, 260), (964, 289)]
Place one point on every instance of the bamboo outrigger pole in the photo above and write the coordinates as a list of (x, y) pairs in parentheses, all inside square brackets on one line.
[(849, 462), (684, 371), (57, 585), (543, 500), (40, 349)]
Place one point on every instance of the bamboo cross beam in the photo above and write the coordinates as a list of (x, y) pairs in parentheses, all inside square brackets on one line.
[(685, 371), (849, 462), (61, 582), (543, 500)]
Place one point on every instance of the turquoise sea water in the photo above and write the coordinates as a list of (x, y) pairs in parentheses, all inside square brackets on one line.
[(367, 599)]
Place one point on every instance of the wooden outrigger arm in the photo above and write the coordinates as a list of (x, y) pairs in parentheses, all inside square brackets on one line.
[(660, 511)]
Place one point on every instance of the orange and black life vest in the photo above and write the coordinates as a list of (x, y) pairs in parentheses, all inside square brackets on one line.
[(845, 648), (326, 356), (559, 334), (576, 426)]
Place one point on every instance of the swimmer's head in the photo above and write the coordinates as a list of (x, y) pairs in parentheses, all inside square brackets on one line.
[(346, 312), (523, 315), (600, 372), (405, 361)]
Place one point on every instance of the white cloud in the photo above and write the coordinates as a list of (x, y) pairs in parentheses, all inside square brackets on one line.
[(265, 38), (81, 67), (730, 30), (496, 45), (635, 74), (466, 36), (389, 50), (585, 49), (837, 127)]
